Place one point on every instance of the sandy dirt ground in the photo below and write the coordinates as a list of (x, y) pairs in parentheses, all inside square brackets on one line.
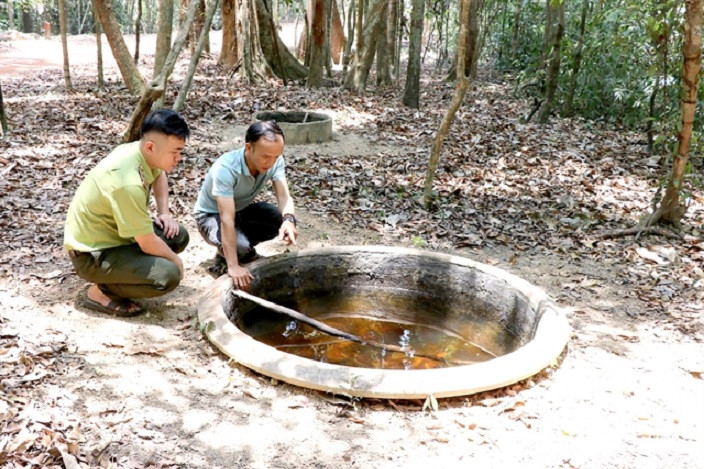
[(152, 392)]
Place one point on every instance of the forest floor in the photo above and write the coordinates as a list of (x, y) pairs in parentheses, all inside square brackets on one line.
[(80, 389)]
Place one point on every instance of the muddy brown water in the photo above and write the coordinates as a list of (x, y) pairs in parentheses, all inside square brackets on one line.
[(371, 317)]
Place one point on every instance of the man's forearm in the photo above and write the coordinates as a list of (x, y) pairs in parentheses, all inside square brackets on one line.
[(161, 194), (228, 233), (155, 246)]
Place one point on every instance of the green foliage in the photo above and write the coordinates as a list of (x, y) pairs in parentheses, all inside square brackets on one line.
[(419, 242), (630, 47)]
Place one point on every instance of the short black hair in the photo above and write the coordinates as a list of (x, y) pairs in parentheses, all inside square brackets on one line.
[(167, 122), (267, 129)]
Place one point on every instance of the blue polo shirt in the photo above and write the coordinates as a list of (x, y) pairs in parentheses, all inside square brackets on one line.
[(230, 177)]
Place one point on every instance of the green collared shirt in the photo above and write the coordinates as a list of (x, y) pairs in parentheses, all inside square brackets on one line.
[(111, 206)]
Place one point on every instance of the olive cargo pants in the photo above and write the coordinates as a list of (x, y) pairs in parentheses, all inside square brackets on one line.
[(127, 272)]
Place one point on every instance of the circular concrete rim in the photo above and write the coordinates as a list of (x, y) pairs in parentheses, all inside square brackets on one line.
[(549, 340), (302, 133)]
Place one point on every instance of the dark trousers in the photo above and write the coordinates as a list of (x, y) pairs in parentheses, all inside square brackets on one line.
[(127, 272), (258, 222)]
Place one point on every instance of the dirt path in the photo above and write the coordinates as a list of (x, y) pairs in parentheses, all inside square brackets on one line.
[(152, 392)]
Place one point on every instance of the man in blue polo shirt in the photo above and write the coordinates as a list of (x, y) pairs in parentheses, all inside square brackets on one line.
[(226, 216)]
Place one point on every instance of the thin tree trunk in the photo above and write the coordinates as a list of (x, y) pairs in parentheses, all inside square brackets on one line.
[(411, 94), (327, 49), (516, 28), (183, 92), (577, 61), (3, 115), (548, 36), (99, 44), (553, 72), (137, 31), (26, 20), (360, 42), (10, 15), (64, 42), (230, 53), (383, 72), (130, 74), (460, 91), (153, 93), (672, 207), (163, 35), (350, 39), (391, 22), (337, 34), (399, 44), (375, 15), (318, 35), (651, 114)]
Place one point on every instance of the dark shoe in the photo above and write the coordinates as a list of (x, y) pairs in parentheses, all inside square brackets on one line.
[(250, 256), (120, 309)]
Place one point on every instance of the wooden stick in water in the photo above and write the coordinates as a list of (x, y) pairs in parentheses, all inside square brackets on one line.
[(322, 327)]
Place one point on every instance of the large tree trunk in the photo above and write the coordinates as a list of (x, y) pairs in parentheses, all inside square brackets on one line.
[(460, 91), (577, 61), (163, 35), (128, 69), (553, 71), (229, 53), (183, 92), (64, 42), (276, 54), (318, 29), (411, 94), (672, 207), (355, 77), (3, 116), (99, 44)]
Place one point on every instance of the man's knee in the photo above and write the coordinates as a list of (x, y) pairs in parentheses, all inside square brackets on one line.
[(168, 276), (181, 239)]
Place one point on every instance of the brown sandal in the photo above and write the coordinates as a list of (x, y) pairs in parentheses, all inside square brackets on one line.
[(116, 308)]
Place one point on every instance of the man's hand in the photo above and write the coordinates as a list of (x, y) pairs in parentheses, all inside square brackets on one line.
[(288, 232), (166, 222), (241, 277)]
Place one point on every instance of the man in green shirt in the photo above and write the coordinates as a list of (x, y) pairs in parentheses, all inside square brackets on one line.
[(109, 234)]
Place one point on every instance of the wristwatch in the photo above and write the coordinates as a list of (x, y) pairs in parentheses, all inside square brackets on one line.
[(289, 217)]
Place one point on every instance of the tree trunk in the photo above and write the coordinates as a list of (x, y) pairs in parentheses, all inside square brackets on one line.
[(163, 35), (183, 92), (130, 74), (198, 25), (350, 39), (10, 15), (391, 31), (516, 28), (99, 44), (460, 91), (153, 93), (276, 54), (337, 35), (26, 20), (672, 207), (372, 30), (359, 31), (549, 33), (553, 72), (383, 72), (318, 29), (64, 42), (137, 31), (411, 94), (3, 116), (577, 61), (229, 54), (399, 44)]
